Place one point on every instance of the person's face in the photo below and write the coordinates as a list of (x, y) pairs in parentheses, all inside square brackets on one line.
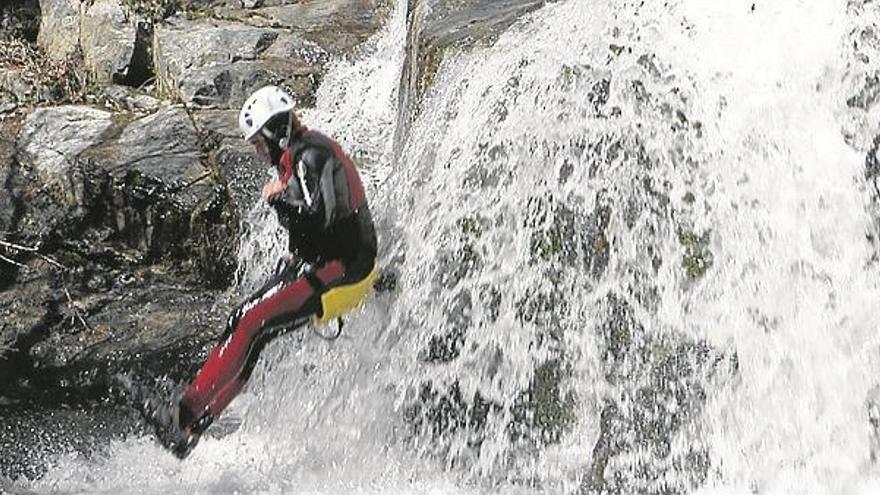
[(261, 148)]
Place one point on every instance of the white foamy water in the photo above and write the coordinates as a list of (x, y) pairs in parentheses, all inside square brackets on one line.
[(721, 121)]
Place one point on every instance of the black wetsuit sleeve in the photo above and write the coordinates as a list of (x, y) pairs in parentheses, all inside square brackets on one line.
[(317, 186)]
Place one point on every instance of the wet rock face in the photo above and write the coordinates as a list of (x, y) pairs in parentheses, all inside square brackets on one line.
[(217, 63), (658, 389), (116, 226), (337, 26), (242, 170), (146, 182), (435, 26)]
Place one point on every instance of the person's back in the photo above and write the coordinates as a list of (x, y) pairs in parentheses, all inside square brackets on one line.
[(333, 222)]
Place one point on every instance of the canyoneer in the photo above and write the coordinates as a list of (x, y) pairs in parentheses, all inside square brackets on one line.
[(319, 198)]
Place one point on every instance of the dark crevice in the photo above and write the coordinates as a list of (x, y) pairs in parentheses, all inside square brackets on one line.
[(89, 383), (140, 69), (18, 372), (20, 19)]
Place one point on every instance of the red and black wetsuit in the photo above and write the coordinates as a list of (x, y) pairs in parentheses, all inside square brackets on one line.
[(331, 234)]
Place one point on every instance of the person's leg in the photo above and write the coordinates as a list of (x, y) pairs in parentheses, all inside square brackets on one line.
[(280, 304)]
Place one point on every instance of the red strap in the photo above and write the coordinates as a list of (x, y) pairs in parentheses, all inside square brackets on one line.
[(285, 167)]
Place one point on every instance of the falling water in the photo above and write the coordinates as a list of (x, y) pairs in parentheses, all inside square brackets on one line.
[(633, 247)]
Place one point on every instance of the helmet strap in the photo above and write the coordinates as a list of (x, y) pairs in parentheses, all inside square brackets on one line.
[(285, 141)]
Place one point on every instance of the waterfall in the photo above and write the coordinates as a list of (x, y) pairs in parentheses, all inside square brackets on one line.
[(634, 255)]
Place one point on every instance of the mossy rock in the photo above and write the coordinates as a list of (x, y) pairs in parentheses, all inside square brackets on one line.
[(696, 256)]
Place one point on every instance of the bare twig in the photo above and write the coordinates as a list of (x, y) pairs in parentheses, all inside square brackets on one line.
[(75, 309), (17, 247), (12, 262), (51, 261), (31, 249)]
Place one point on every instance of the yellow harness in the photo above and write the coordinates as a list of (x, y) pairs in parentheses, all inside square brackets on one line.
[(338, 300)]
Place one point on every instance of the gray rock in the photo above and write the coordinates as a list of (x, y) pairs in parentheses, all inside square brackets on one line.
[(208, 62), (183, 44), (228, 85), (53, 137), (108, 40), (239, 166), (8, 207), (162, 145), (22, 310), (164, 199), (14, 82), (337, 26), (59, 27), (196, 60), (8, 102), (149, 181), (131, 99), (147, 318)]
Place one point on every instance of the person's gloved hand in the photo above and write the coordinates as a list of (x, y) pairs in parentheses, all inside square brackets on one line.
[(273, 189)]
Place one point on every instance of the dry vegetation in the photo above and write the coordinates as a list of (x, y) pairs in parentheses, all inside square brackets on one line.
[(28, 74)]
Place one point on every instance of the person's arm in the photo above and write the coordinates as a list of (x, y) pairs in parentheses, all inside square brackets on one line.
[(311, 187)]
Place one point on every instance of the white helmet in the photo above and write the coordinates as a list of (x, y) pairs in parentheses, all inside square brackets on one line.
[(264, 104)]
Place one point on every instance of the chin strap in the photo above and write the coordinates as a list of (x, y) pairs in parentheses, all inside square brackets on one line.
[(284, 142)]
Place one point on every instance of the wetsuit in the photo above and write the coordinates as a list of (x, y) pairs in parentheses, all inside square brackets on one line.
[(332, 237)]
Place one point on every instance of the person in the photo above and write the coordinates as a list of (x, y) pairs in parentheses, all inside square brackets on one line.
[(319, 198)]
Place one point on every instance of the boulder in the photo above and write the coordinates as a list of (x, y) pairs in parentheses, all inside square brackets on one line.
[(228, 85), (108, 40), (130, 99), (59, 28), (206, 62), (337, 26), (144, 179), (52, 137), (137, 326), (151, 185), (23, 314), (67, 334), (8, 206)]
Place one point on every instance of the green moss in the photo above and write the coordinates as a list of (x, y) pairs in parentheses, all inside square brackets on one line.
[(696, 258), (429, 67), (470, 227), (544, 412), (547, 244), (468, 257)]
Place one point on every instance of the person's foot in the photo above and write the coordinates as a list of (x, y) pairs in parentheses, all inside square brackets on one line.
[(164, 418), (187, 442)]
